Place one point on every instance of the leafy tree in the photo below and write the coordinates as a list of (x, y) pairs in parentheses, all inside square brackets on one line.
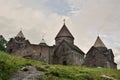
[(3, 43)]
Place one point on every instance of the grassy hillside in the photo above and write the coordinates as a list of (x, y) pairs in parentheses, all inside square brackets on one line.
[(9, 64)]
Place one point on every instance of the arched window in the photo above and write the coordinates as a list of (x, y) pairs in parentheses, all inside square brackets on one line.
[(40, 54), (63, 49)]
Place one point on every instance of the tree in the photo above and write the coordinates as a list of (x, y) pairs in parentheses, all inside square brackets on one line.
[(3, 43)]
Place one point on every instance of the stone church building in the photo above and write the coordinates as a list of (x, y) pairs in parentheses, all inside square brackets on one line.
[(64, 51), (100, 56)]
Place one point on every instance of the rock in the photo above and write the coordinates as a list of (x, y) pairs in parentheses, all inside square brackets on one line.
[(24, 69), (107, 77), (27, 73)]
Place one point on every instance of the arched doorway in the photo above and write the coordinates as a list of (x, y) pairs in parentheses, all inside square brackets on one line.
[(10, 51), (64, 62)]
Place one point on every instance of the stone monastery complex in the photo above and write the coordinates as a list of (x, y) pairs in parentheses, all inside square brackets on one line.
[(64, 52)]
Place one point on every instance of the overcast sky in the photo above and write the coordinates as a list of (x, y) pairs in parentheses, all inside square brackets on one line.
[(84, 18)]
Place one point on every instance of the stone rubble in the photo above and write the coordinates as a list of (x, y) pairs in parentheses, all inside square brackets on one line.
[(27, 73)]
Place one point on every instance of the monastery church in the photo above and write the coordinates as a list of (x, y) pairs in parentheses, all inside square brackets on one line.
[(64, 52)]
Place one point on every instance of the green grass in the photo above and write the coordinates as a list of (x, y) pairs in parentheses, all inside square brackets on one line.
[(9, 64), (58, 72)]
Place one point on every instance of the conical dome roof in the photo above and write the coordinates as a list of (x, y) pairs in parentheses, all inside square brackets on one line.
[(20, 34), (64, 32), (99, 43), (43, 43)]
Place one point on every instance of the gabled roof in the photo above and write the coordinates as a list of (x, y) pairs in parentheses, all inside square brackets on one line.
[(94, 49), (72, 46), (20, 34), (64, 32), (99, 43)]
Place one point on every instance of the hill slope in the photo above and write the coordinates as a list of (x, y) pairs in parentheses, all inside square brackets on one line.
[(10, 64)]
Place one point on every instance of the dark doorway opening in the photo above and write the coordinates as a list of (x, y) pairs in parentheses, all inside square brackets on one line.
[(64, 62), (10, 51)]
